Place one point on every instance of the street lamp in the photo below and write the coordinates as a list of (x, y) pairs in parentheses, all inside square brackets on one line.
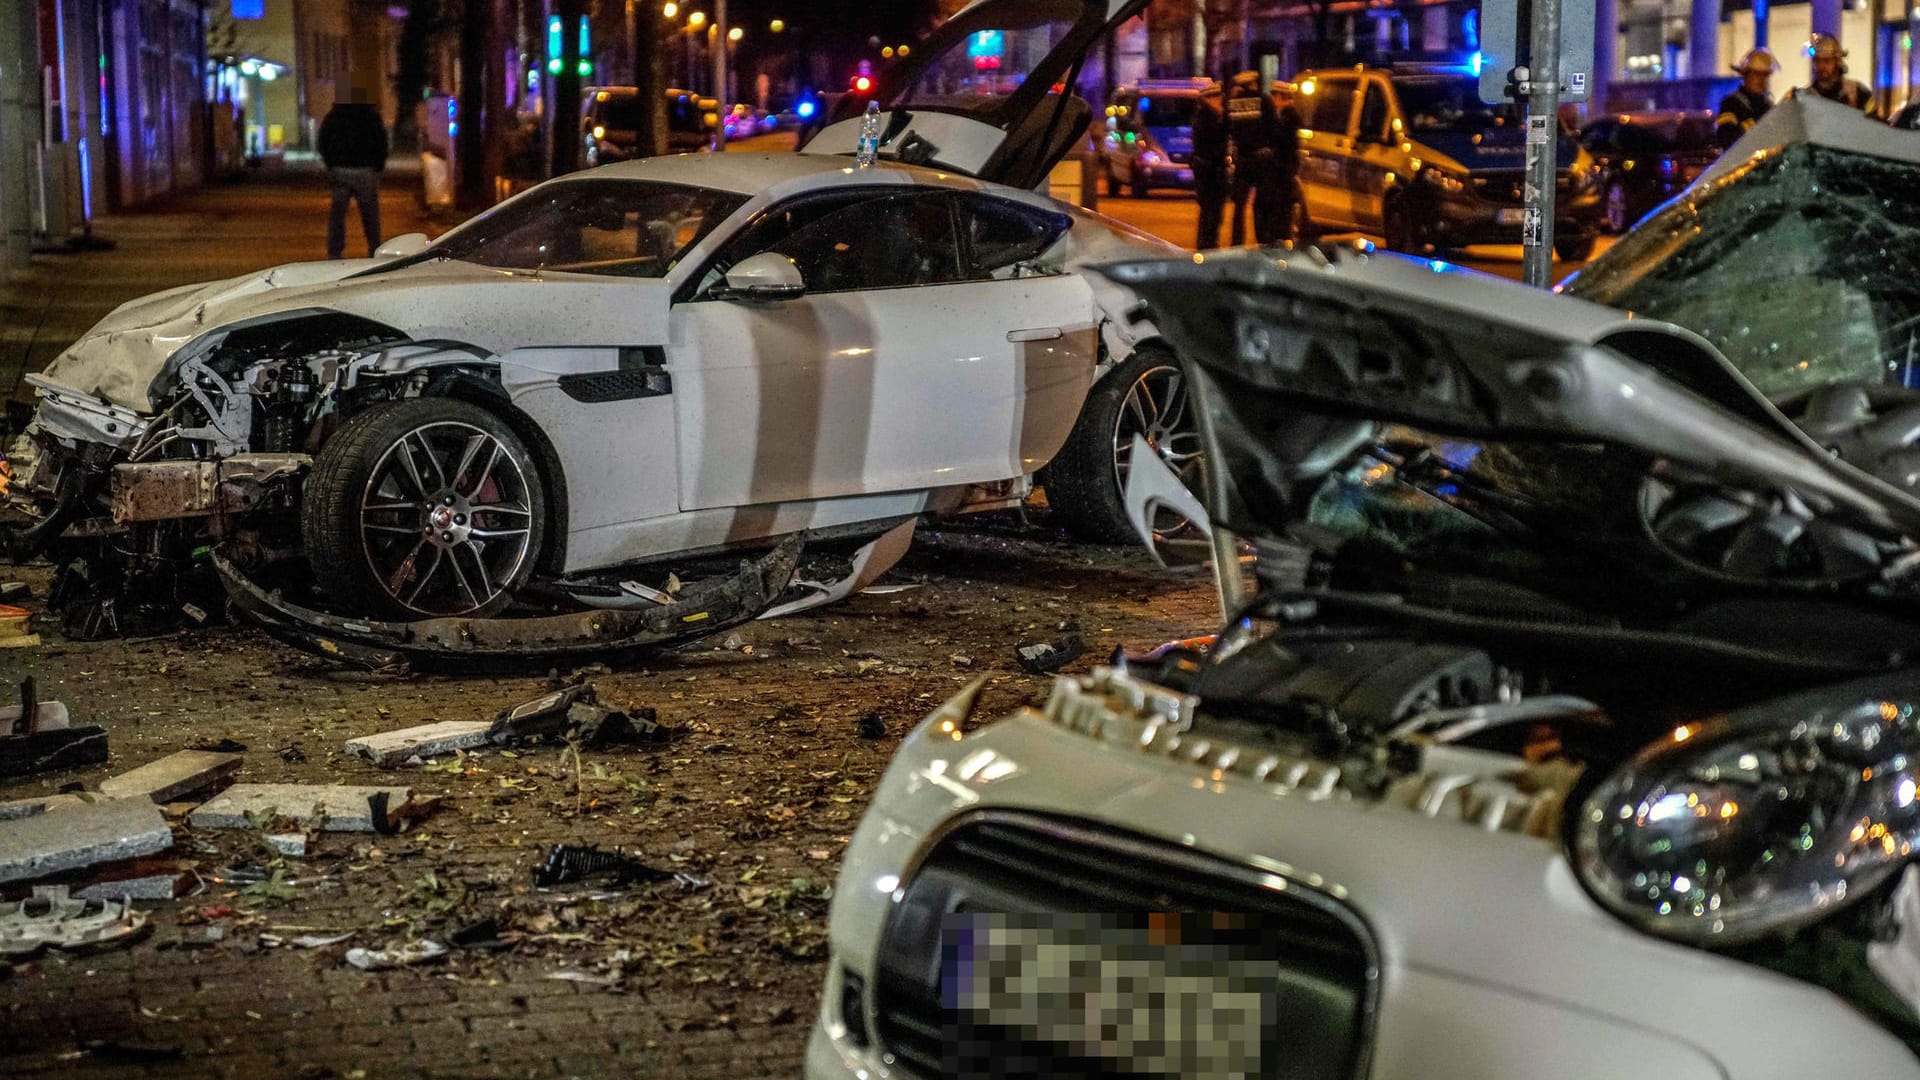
[(697, 20), (671, 11), (736, 34), (777, 25)]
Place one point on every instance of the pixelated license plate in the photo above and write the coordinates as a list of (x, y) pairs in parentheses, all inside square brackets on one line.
[(1146, 999)]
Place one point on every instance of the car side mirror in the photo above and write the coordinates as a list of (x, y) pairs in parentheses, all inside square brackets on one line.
[(764, 278), (400, 247)]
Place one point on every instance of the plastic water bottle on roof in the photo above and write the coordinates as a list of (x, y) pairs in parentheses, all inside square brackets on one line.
[(869, 137)]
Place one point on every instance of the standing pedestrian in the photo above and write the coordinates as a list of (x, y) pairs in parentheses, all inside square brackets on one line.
[(1282, 217), (353, 146), (1209, 161), (1830, 76), (1743, 108), (1253, 126)]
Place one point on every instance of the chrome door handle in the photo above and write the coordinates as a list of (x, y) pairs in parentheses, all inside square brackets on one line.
[(1040, 333)]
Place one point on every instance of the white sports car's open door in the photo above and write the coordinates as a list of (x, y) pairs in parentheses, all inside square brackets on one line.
[(990, 92)]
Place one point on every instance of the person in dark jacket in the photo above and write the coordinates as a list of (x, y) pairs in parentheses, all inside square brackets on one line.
[(1255, 131), (353, 145), (1743, 108), (1209, 163)]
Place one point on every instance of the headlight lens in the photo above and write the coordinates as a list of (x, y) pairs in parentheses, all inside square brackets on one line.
[(1737, 828)]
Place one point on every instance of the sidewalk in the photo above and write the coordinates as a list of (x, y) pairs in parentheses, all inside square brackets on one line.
[(218, 231)]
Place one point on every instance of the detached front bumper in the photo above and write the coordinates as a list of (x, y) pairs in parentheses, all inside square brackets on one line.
[(1492, 963)]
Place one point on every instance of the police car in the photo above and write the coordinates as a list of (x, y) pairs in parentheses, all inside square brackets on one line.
[(1147, 141), (1412, 155)]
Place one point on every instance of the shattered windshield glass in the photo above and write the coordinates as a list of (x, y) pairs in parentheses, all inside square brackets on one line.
[(615, 228), (1803, 268)]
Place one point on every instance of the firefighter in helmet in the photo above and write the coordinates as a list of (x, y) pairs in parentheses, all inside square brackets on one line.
[(1743, 108), (1830, 76)]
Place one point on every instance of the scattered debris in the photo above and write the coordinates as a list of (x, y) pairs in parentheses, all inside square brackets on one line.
[(569, 863), (332, 808), (169, 778), (201, 937), (392, 748), (36, 737), (1047, 657), (32, 714), (72, 837), (484, 934), (869, 563), (308, 941), (423, 951), (583, 977), (574, 713), (20, 808), (136, 879), (224, 746), (15, 632), (873, 726), (53, 919), (130, 1052), (292, 754), (15, 590)]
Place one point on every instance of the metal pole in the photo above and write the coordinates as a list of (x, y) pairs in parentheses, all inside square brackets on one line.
[(720, 71), (1542, 88)]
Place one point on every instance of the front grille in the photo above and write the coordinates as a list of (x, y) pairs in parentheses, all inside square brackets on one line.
[(1307, 960), (1512, 189)]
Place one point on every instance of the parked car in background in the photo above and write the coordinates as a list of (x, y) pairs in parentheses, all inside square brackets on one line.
[(1412, 155), (1577, 736), (1147, 139), (610, 122), (1646, 158)]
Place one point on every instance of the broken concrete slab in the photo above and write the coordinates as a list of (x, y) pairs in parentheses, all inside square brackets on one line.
[(333, 808), (172, 776), (45, 751), (391, 748), (77, 836), (150, 887), (20, 808)]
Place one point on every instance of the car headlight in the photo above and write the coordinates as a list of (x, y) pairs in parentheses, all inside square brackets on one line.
[(1739, 827), (1443, 181)]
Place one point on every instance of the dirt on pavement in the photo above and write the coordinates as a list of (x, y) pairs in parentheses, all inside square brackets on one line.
[(715, 974)]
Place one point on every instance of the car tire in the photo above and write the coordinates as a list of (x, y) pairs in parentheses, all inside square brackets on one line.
[(371, 509), (1086, 481), (1619, 215), (1573, 248)]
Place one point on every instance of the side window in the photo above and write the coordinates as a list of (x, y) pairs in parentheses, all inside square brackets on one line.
[(1329, 107), (860, 240), (1373, 111), (1002, 237)]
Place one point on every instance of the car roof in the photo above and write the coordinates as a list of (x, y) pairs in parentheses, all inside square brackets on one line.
[(754, 173)]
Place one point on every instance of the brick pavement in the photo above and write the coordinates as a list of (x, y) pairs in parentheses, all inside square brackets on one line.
[(215, 232)]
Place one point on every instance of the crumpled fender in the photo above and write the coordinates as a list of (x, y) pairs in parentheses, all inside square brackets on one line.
[(394, 646)]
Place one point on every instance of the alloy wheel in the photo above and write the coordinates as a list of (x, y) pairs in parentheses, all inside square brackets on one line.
[(1159, 407), (446, 520)]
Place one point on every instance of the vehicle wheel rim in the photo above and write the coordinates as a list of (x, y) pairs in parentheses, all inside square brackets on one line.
[(446, 519), (1617, 208), (1159, 407)]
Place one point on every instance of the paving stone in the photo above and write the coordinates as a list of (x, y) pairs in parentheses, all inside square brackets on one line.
[(390, 748), (20, 808), (72, 837), (333, 807), (172, 776), (151, 887)]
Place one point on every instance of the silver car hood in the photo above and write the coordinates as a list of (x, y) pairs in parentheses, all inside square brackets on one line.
[(127, 356), (1341, 342)]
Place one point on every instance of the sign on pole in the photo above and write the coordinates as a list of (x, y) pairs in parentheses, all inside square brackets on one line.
[(1501, 47)]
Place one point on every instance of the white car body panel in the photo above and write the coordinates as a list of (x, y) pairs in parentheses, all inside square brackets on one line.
[(1535, 973), (965, 144)]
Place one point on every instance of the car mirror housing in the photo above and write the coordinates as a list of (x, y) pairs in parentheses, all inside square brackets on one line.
[(401, 247), (765, 278)]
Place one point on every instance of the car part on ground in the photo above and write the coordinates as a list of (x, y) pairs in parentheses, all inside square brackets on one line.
[(392, 646)]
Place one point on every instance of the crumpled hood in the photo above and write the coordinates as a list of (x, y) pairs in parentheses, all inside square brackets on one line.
[(145, 340)]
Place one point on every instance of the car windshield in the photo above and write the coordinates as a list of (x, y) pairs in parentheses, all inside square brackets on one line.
[(617, 111), (616, 228), (1449, 104), (1164, 112), (992, 63), (1803, 268)]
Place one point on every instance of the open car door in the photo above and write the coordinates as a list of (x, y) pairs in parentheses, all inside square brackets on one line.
[(990, 92)]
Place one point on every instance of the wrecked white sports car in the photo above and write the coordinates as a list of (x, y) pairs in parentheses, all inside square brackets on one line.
[(655, 359), (1573, 730)]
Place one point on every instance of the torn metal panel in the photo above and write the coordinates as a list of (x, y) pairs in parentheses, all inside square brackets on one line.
[(704, 609), (165, 490)]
